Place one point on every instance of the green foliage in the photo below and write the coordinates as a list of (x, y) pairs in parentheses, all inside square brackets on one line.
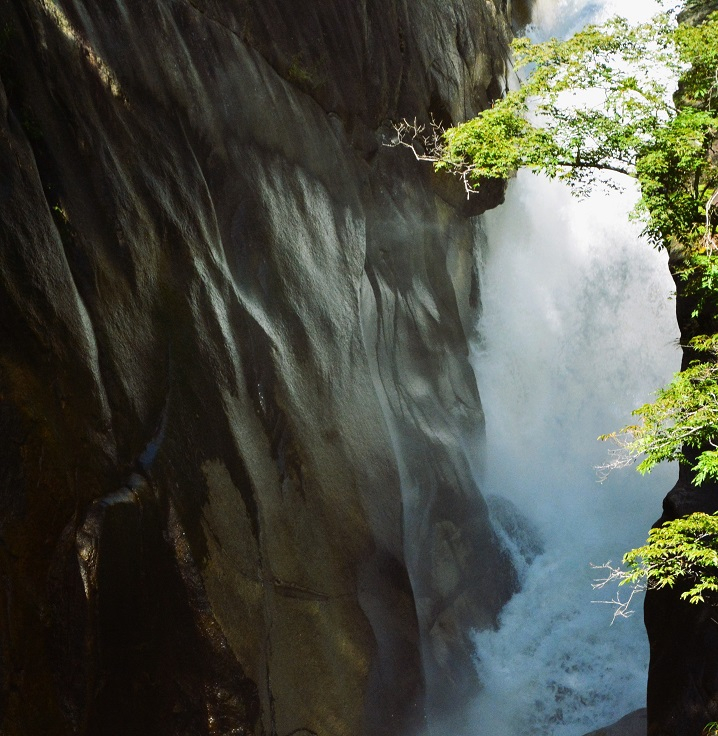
[(697, 46), (681, 551), (677, 178), (698, 275), (552, 125), (303, 74), (684, 415), (497, 143)]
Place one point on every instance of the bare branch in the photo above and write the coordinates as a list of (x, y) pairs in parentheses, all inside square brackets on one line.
[(617, 575), (430, 144)]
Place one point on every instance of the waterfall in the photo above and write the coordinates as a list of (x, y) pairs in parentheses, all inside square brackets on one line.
[(577, 329)]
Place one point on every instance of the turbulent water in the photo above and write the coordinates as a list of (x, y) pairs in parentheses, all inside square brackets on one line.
[(577, 329)]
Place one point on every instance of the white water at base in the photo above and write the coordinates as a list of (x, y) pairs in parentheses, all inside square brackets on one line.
[(577, 329)]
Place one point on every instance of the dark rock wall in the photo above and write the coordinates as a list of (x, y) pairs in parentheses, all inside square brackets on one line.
[(236, 410), (683, 671)]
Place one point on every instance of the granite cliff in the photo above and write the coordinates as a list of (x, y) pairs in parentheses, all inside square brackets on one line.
[(235, 402), (683, 670)]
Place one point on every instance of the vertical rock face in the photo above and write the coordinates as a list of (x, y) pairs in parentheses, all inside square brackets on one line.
[(236, 408), (683, 672)]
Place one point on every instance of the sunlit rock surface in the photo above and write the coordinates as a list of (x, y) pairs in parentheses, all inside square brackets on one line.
[(235, 401)]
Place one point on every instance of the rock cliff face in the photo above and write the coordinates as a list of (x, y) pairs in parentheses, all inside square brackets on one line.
[(683, 671), (235, 402)]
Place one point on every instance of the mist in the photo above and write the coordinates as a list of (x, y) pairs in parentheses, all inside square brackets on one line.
[(577, 329)]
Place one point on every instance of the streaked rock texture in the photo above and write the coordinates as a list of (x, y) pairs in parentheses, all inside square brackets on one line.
[(236, 408)]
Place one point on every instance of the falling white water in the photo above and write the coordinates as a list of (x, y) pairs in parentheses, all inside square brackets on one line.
[(577, 329)]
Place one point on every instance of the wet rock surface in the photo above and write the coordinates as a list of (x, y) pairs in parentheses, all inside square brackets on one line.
[(633, 724), (236, 407)]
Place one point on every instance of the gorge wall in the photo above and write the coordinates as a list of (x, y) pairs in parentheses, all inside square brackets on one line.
[(235, 401), (683, 670)]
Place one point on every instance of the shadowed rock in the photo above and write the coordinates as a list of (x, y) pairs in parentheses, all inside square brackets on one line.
[(634, 724), (236, 407)]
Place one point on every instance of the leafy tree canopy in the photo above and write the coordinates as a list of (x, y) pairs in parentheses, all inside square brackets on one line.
[(683, 550), (602, 102), (684, 415)]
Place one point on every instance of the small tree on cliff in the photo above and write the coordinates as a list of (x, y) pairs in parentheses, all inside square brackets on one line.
[(600, 103), (597, 103)]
